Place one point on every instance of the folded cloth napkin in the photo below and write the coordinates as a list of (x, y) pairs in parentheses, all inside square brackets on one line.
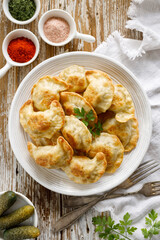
[(143, 59)]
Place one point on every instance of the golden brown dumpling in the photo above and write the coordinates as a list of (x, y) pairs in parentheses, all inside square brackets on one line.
[(91, 75), (84, 170), (112, 147), (74, 76), (46, 90), (42, 124), (76, 133), (127, 132), (71, 100), (100, 91), (57, 156), (122, 104), (46, 141)]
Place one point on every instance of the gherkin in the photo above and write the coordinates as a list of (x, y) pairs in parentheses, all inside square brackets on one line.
[(16, 217), (23, 232), (7, 199)]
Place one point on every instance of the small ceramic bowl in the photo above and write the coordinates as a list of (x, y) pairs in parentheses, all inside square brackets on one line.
[(12, 19), (12, 35), (73, 31), (20, 202)]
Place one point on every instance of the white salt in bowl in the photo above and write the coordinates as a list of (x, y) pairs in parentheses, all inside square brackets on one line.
[(73, 31)]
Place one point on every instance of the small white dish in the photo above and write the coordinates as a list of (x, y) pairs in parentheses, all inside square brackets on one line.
[(12, 35), (12, 19), (73, 31), (20, 202)]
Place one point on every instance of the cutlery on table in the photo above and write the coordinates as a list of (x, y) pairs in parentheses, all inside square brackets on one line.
[(148, 190), (144, 170)]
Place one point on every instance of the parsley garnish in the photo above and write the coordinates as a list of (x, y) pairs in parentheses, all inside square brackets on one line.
[(109, 230), (153, 226), (88, 119)]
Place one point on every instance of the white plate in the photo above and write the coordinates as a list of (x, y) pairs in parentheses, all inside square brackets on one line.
[(20, 202), (56, 180)]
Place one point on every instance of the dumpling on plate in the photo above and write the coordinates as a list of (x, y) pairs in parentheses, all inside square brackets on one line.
[(112, 148), (100, 91), (76, 133), (71, 100), (46, 90), (46, 141), (127, 132), (122, 104), (57, 156), (96, 74), (84, 170), (74, 76), (42, 124)]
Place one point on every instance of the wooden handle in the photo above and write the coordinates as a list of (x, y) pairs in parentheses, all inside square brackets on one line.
[(74, 202), (71, 217)]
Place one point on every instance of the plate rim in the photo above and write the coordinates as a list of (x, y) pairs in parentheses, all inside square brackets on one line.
[(65, 192)]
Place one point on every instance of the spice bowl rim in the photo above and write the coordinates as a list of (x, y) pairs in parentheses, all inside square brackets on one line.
[(27, 201), (19, 32), (63, 14), (12, 19)]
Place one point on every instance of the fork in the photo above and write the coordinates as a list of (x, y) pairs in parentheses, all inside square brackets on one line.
[(144, 170), (137, 176), (149, 189)]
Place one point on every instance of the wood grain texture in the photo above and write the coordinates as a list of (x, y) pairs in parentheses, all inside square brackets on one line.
[(96, 17)]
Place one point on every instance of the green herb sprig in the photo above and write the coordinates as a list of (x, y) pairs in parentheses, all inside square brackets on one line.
[(97, 129), (88, 119), (107, 228), (153, 226)]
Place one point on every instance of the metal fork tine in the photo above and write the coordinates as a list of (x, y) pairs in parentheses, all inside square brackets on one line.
[(156, 193), (145, 164), (145, 170), (154, 184), (145, 175), (156, 189)]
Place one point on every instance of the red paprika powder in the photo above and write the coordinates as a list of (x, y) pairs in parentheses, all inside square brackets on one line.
[(21, 49)]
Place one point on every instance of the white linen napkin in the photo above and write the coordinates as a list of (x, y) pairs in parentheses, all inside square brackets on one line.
[(143, 59)]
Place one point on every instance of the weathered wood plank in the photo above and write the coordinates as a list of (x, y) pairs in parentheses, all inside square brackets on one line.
[(96, 17)]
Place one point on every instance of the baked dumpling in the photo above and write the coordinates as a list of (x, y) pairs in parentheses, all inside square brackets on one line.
[(95, 74), (76, 133), (57, 156), (122, 104), (112, 147), (100, 91), (74, 76), (46, 90), (71, 100), (84, 170), (46, 141), (127, 132), (42, 124)]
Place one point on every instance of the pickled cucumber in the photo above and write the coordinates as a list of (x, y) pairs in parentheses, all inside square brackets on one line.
[(7, 199), (16, 217), (20, 233)]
